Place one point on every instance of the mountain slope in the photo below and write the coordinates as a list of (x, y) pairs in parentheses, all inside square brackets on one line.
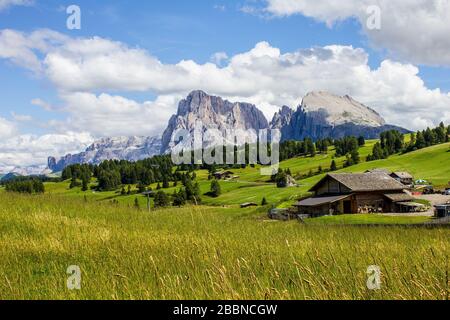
[(120, 148), (213, 113), (320, 115), (324, 115)]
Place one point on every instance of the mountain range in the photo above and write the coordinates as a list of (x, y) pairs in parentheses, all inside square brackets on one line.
[(320, 115)]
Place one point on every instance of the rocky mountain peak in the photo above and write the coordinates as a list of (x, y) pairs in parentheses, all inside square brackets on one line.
[(120, 148), (320, 115), (213, 113), (337, 110), (282, 118)]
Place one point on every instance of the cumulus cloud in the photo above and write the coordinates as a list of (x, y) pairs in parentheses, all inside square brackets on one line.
[(7, 128), (414, 30), (263, 75), (108, 115), (22, 49), (88, 73), (33, 150)]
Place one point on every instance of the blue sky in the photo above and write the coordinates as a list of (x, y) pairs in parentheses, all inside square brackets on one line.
[(176, 30)]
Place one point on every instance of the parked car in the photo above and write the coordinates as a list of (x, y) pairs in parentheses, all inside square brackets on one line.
[(446, 192), (428, 190)]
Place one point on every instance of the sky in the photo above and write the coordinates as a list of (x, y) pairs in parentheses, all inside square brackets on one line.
[(124, 70)]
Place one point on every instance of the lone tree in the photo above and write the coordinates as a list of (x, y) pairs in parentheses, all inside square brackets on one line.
[(162, 200), (215, 189), (355, 157), (179, 198), (333, 166), (84, 186), (361, 141), (264, 202)]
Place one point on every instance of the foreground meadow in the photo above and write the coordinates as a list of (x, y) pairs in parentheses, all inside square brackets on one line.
[(206, 253)]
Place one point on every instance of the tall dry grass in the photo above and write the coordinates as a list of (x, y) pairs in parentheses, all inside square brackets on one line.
[(206, 253)]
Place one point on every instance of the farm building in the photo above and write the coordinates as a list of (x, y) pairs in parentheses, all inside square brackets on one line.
[(248, 205), (357, 193), (403, 177), (443, 210), (223, 175), (379, 170)]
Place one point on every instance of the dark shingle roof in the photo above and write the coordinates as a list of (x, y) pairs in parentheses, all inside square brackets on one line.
[(378, 170), (318, 201), (399, 197), (403, 175), (359, 182)]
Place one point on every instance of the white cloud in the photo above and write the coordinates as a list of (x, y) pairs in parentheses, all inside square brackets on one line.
[(21, 117), (43, 104), (88, 73), (5, 4), (22, 48), (107, 115), (7, 128), (32, 150), (263, 75), (414, 30)]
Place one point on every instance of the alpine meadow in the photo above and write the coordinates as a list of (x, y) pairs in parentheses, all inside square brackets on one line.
[(224, 159)]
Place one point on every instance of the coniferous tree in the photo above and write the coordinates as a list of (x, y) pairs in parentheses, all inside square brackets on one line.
[(136, 203), (361, 141), (161, 199), (179, 198), (264, 202), (333, 166), (84, 185), (215, 189), (355, 157)]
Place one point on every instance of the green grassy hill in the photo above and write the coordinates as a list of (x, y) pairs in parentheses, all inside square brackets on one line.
[(431, 164), (217, 250)]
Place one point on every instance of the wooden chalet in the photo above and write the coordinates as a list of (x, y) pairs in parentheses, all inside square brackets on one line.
[(223, 175), (348, 193), (403, 177)]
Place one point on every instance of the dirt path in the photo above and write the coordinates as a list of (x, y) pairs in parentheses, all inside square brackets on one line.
[(435, 199)]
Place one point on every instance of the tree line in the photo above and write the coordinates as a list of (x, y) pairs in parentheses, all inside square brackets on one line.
[(25, 185), (111, 174), (393, 142)]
